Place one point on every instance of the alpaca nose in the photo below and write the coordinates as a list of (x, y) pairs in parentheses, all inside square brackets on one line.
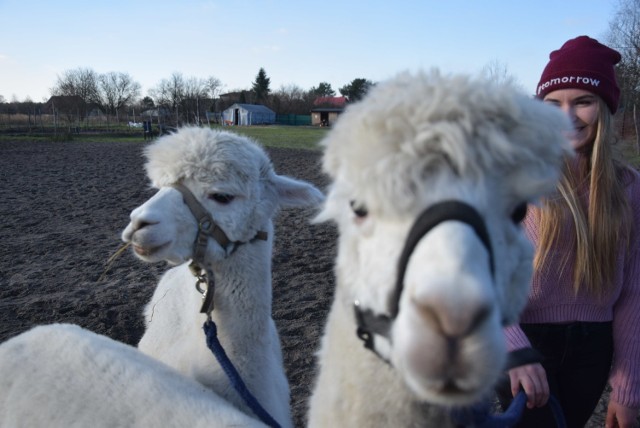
[(449, 275), (143, 216), (136, 223), (454, 322), (141, 223)]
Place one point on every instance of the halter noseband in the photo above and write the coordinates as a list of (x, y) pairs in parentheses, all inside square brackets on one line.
[(371, 324), (207, 228)]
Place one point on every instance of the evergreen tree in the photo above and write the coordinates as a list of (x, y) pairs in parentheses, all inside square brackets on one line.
[(324, 89), (261, 86), (356, 89)]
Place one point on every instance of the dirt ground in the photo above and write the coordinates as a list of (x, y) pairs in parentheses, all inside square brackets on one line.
[(62, 209)]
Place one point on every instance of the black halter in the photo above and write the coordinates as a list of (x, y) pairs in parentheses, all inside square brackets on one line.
[(207, 228), (371, 324)]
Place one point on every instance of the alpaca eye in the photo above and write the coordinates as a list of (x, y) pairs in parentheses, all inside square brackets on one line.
[(221, 198), (359, 210), (519, 213)]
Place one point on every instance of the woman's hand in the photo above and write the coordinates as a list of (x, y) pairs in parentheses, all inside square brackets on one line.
[(533, 380), (619, 416)]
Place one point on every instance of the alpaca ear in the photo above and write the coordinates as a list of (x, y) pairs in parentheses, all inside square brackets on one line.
[(296, 193)]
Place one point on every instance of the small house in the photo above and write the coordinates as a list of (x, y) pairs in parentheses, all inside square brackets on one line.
[(248, 114), (326, 110)]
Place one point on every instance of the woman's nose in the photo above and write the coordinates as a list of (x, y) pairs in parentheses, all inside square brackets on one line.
[(569, 111)]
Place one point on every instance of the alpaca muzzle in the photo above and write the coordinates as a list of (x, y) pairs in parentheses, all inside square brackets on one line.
[(372, 325)]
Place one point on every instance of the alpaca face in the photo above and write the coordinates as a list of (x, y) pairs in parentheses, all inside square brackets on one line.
[(412, 143), (163, 228), (230, 176), (446, 342)]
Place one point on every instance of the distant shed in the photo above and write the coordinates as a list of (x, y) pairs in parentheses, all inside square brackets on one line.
[(326, 110), (325, 116), (248, 114)]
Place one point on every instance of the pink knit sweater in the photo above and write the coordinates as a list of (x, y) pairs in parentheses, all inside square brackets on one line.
[(552, 300)]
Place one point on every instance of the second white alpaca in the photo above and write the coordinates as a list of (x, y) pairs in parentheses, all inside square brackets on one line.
[(234, 181)]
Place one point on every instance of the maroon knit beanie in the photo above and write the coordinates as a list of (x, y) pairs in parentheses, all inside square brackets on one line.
[(582, 63)]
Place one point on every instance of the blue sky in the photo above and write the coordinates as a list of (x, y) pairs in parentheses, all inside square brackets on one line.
[(297, 42)]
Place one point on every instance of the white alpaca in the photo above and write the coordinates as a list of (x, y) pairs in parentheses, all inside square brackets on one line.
[(234, 181), (64, 376), (433, 307)]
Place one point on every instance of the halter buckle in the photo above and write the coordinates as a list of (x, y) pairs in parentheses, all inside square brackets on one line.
[(205, 225)]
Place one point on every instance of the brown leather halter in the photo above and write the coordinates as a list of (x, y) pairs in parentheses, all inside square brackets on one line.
[(207, 228)]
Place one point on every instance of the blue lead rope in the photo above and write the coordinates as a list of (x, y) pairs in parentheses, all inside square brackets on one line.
[(556, 409), (211, 332), (479, 416)]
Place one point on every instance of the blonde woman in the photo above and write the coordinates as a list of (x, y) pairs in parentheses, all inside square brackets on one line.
[(583, 313)]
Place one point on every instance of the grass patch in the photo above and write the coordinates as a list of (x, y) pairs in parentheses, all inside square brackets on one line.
[(62, 137), (97, 138), (67, 137), (289, 137), (17, 138)]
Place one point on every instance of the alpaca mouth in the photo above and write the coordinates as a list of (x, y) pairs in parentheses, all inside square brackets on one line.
[(149, 251), (452, 388)]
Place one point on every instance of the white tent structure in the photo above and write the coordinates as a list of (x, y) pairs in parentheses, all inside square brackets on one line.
[(248, 114)]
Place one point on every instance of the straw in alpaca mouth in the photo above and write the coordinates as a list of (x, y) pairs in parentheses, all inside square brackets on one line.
[(113, 258)]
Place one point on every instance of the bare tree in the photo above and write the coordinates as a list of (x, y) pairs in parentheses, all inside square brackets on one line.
[(624, 36), (82, 82), (213, 86), (169, 94), (292, 99), (194, 96), (117, 90), (70, 107), (498, 73), (28, 108)]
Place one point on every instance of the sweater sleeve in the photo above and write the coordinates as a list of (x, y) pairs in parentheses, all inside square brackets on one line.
[(625, 371), (516, 339)]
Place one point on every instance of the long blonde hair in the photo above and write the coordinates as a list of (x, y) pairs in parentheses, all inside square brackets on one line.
[(601, 217)]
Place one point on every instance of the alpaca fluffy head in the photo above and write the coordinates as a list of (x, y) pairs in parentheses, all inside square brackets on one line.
[(205, 155), (414, 141), (230, 175)]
